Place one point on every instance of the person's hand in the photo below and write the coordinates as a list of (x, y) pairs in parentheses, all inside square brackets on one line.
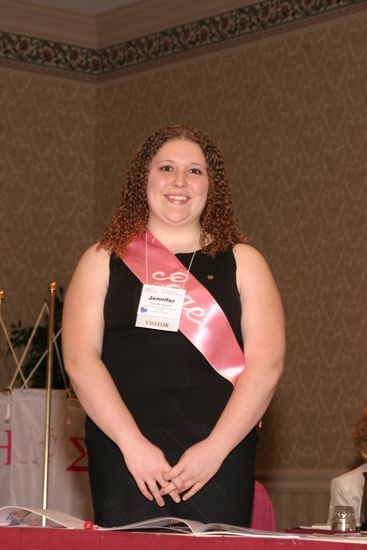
[(146, 463), (196, 466)]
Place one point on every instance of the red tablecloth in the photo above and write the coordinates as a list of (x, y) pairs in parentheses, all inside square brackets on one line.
[(34, 538)]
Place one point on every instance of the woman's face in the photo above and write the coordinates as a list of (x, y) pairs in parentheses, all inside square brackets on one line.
[(177, 186)]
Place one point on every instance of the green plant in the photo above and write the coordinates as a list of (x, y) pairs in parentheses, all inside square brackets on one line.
[(19, 337)]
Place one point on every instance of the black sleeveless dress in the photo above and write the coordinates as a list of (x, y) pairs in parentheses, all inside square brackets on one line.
[(175, 396)]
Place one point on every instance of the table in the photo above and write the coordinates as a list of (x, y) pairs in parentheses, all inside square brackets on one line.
[(35, 538)]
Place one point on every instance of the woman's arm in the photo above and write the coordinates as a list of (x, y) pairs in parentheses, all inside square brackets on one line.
[(82, 337), (263, 331)]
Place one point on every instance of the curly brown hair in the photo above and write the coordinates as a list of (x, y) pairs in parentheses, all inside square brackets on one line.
[(359, 434), (217, 220)]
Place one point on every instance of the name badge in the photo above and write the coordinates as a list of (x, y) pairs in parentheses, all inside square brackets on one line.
[(160, 307)]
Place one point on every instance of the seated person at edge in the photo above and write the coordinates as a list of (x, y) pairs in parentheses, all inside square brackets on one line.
[(347, 489), (173, 338)]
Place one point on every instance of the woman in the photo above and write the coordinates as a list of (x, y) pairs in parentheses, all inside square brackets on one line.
[(347, 489), (155, 321)]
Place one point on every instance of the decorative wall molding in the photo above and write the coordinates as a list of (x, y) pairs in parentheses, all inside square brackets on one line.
[(200, 36), (114, 26), (48, 24), (148, 17)]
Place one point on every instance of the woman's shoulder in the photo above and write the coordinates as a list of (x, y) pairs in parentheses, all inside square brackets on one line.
[(93, 262), (95, 253), (245, 253), (253, 271), (356, 473)]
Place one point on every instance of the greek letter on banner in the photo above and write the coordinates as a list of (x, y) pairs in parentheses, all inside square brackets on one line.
[(203, 322)]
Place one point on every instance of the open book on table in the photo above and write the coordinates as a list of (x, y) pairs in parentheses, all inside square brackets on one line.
[(170, 524)]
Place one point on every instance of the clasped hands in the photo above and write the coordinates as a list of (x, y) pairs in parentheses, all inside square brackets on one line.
[(196, 467), (156, 478)]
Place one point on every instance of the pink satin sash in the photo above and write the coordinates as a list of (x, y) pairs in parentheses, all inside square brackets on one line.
[(203, 322)]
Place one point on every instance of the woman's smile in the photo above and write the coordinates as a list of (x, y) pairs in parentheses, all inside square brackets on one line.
[(177, 199)]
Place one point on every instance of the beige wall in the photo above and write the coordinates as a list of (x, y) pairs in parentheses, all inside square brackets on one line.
[(290, 116)]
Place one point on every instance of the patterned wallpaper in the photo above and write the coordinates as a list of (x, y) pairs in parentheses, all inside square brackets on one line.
[(289, 114), (47, 175)]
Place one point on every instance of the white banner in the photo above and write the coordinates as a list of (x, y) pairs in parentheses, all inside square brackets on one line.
[(68, 486), (5, 448)]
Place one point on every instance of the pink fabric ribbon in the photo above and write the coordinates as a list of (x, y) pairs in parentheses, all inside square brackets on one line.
[(203, 322)]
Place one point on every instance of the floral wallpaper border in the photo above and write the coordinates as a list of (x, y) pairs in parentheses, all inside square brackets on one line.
[(216, 30)]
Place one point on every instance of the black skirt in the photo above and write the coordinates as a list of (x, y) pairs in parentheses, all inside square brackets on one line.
[(226, 498)]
